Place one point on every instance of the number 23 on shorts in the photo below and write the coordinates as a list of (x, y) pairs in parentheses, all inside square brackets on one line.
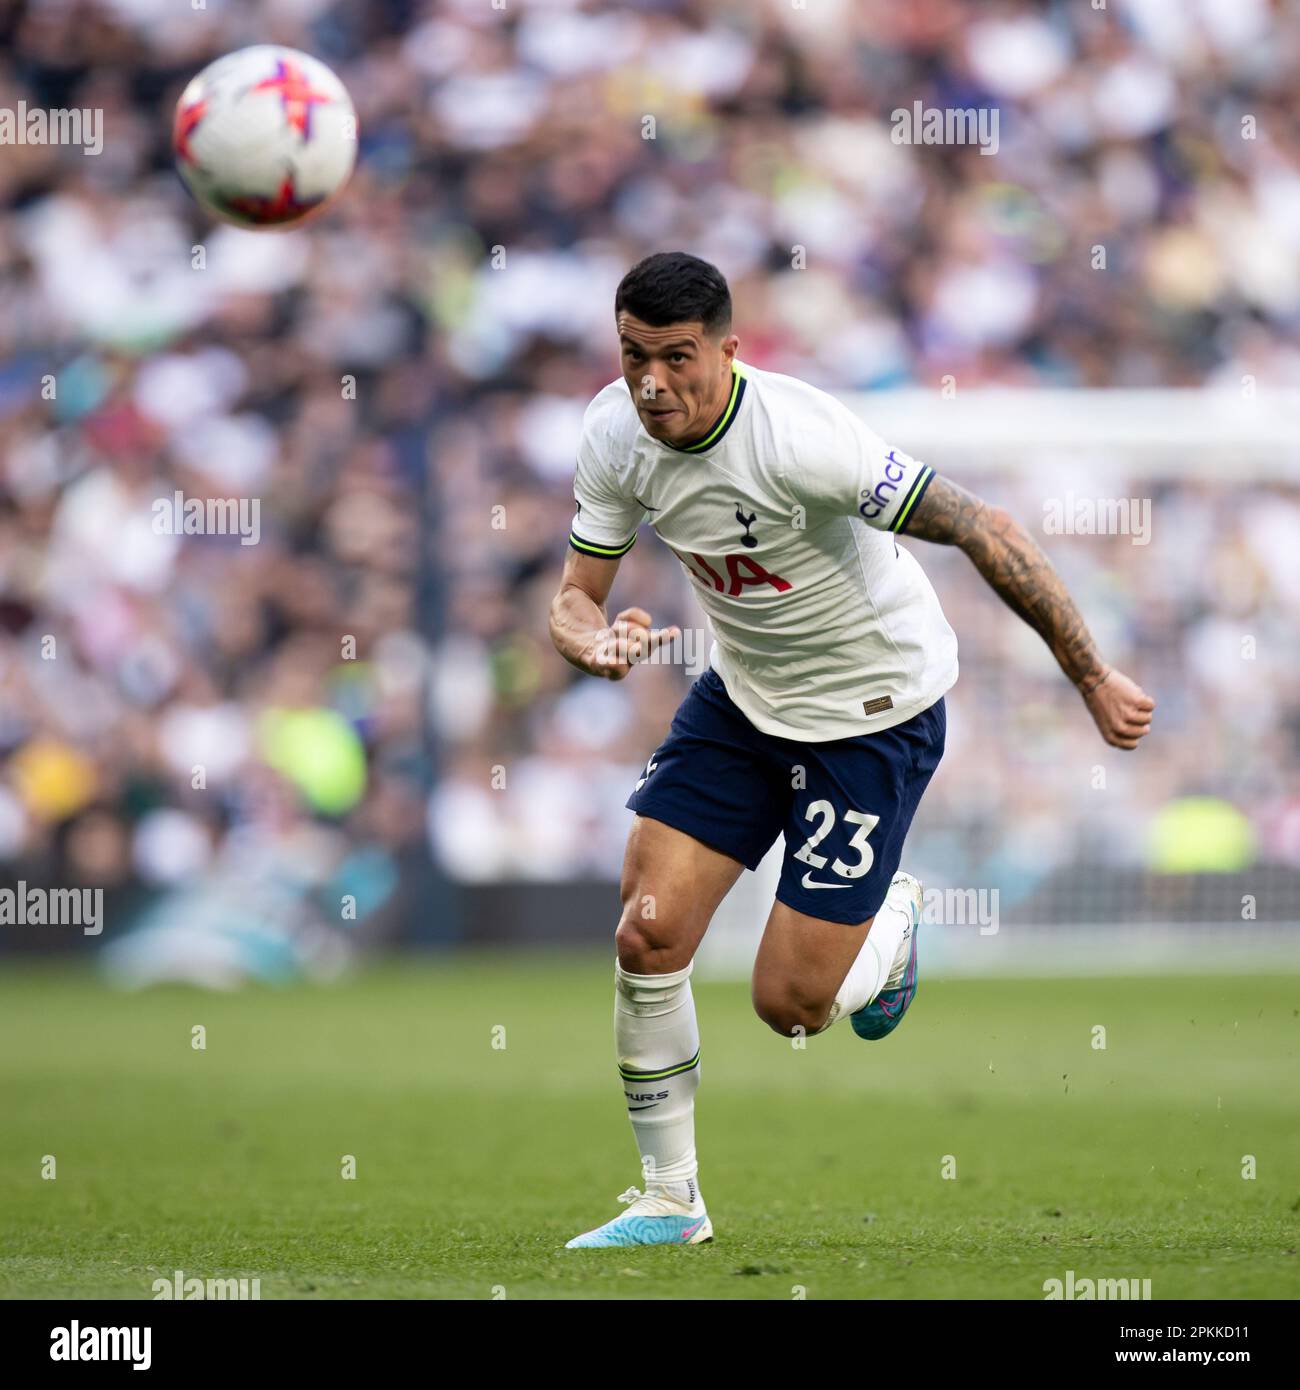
[(824, 812)]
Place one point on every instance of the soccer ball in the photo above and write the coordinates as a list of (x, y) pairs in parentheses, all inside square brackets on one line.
[(265, 137)]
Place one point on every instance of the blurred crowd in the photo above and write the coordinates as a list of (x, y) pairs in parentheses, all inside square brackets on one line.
[(402, 389)]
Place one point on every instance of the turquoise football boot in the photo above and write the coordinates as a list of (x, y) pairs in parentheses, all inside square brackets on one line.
[(885, 1012), (652, 1219)]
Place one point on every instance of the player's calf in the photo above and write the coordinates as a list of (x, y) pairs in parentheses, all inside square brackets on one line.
[(792, 992)]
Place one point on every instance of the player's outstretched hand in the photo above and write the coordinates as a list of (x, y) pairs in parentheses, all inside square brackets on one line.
[(628, 640), (1121, 709)]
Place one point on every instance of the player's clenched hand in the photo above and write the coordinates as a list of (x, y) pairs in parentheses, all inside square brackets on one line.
[(627, 640), (1120, 707)]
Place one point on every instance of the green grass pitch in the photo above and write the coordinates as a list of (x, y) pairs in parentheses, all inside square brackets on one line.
[(822, 1166)]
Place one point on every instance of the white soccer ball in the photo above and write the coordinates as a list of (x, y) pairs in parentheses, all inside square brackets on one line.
[(265, 137)]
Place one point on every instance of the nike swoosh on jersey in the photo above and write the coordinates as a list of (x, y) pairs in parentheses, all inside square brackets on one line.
[(809, 883)]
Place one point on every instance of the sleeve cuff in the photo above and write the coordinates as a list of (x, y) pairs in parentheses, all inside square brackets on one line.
[(909, 505), (602, 552)]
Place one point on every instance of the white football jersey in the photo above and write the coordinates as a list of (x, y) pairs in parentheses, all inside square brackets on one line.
[(823, 626)]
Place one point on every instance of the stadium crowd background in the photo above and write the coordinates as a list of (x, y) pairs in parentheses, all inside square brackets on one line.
[(424, 356)]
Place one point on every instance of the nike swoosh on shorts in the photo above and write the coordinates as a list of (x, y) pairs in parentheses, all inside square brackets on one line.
[(809, 883)]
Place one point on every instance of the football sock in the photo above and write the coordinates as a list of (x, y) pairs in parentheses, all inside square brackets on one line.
[(875, 963), (658, 1044)]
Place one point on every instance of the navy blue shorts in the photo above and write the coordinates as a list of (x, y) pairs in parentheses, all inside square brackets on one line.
[(844, 806)]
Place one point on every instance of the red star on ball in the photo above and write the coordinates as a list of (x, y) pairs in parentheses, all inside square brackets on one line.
[(297, 95), (284, 207)]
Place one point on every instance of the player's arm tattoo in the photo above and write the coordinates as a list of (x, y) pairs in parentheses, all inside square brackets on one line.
[(1015, 568)]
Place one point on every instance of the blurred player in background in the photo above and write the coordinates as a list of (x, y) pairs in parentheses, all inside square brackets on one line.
[(821, 716)]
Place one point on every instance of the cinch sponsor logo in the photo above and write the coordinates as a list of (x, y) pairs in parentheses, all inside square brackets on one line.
[(895, 472), (178, 1287), (77, 1343), (1084, 1289)]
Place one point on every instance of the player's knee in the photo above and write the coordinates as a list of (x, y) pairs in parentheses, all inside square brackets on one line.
[(646, 945), (787, 1012)]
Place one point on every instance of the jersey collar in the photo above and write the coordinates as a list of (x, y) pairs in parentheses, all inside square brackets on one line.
[(722, 424)]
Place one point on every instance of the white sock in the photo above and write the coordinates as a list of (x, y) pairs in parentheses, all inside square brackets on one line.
[(658, 1044), (875, 962)]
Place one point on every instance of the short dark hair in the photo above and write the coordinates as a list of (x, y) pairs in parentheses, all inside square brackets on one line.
[(674, 287)]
